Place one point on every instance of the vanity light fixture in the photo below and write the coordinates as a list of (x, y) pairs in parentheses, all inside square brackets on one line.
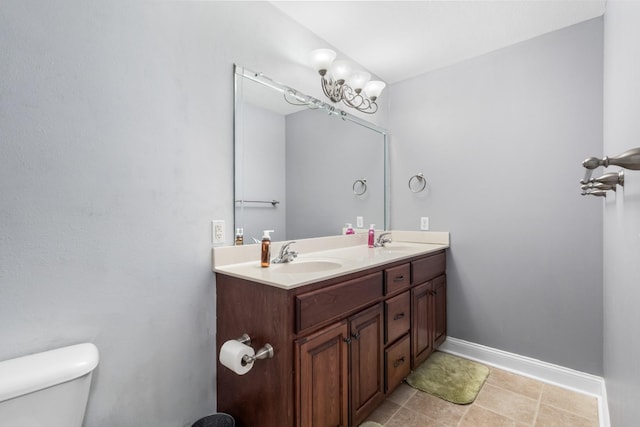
[(342, 83)]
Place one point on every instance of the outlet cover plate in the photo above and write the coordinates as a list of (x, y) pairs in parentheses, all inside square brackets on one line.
[(217, 231), (424, 223)]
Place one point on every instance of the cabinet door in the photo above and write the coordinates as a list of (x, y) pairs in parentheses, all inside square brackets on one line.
[(440, 310), (323, 395), (367, 364), (422, 319)]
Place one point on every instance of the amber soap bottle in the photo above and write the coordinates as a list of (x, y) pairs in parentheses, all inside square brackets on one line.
[(265, 257)]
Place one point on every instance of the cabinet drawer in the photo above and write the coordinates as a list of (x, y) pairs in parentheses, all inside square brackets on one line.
[(397, 316), (427, 268), (397, 278), (397, 363), (313, 308)]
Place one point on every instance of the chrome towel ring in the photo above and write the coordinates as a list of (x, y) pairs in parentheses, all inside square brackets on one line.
[(360, 186), (417, 183)]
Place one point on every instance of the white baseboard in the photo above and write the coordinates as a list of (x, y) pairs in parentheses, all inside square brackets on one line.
[(536, 369)]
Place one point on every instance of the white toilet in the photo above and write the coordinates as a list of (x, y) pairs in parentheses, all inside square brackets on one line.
[(47, 389)]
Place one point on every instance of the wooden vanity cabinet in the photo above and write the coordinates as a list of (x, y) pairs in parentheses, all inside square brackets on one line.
[(428, 306), (397, 278), (440, 310), (363, 380), (340, 345), (397, 358), (366, 362), (322, 363), (341, 360), (397, 317), (422, 323)]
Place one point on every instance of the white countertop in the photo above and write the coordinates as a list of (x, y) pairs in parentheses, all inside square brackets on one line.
[(336, 256)]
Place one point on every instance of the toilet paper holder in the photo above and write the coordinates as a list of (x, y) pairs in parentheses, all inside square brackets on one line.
[(266, 352)]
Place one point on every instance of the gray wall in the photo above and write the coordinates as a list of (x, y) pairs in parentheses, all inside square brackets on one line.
[(325, 155), (622, 214), (116, 152), (500, 139)]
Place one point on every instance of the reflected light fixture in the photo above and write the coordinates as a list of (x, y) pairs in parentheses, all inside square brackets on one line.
[(340, 82)]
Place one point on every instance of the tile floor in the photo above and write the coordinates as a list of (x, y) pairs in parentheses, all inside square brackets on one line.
[(506, 400)]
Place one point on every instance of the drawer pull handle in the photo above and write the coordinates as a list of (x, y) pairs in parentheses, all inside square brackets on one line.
[(398, 362), (398, 278), (398, 316)]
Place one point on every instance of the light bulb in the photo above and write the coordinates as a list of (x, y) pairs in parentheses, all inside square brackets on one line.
[(358, 80), (321, 60), (340, 70), (373, 89)]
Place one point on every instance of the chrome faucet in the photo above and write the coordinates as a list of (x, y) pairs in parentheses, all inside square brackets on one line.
[(383, 239), (285, 254)]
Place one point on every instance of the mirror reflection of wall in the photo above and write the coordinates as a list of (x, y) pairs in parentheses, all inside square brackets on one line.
[(325, 155), (264, 171), (307, 161)]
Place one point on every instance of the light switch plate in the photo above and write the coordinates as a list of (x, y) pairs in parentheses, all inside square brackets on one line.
[(359, 222)]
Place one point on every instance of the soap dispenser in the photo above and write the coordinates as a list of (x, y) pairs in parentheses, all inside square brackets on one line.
[(372, 236), (239, 237), (265, 258), (349, 229)]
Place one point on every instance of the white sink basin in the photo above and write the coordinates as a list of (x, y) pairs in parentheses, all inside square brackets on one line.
[(396, 248), (302, 266)]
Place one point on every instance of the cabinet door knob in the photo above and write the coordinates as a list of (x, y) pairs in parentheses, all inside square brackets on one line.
[(356, 335), (398, 362), (347, 340), (398, 316)]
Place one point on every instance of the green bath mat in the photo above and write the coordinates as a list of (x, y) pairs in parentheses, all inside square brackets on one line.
[(449, 377)]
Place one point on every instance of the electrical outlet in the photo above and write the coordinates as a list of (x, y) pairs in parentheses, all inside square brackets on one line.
[(359, 222), (424, 223), (217, 231)]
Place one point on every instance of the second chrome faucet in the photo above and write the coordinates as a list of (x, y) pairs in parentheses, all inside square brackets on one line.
[(285, 254), (383, 239)]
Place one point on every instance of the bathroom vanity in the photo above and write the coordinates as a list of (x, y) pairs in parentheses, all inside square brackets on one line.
[(345, 331)]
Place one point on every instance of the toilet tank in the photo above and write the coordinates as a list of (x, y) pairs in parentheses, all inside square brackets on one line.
[(47, 389)]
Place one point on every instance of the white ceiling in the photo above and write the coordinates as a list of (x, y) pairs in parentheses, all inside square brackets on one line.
[(397, 40)]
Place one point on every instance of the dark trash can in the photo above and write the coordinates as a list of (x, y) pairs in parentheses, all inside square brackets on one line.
[(215, 420)]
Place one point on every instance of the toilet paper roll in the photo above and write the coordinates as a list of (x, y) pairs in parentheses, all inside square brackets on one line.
[(231, 354)]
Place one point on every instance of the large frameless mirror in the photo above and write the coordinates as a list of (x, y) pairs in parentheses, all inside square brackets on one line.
[(303, 168)]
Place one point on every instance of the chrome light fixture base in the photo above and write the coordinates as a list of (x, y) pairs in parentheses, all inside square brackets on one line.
[(338, 91)]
